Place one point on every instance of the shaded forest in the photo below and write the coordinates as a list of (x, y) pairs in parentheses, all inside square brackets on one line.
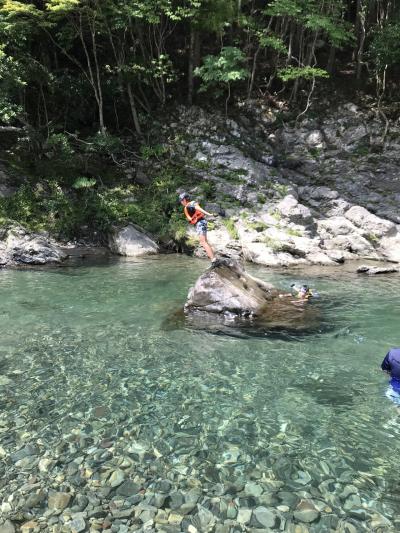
[(90, 65), (86, 85)]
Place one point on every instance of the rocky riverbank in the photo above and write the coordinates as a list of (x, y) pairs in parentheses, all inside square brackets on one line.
[(319, 191), (322, 191), (20, 247)]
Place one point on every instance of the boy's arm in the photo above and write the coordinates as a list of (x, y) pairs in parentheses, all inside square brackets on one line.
[(204, 211)]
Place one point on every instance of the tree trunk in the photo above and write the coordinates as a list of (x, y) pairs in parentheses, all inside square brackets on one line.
[(191, 64), (253, 73), (331, 59), (360, 34), (134, 110)]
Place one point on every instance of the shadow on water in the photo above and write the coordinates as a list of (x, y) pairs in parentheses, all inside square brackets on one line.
[(288, 323), (329, 393)]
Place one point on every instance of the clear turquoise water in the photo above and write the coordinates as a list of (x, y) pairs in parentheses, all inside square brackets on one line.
[(309, 412)]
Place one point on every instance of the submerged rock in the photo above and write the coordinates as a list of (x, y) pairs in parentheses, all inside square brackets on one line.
[(58, 500), (226, 294)]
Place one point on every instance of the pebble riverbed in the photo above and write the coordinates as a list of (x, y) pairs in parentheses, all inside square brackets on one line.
[(109, 422)]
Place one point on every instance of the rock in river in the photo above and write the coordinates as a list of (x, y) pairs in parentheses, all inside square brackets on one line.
[(227, 295)]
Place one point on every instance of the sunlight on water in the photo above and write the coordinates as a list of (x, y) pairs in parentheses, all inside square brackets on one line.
[(87, 365)]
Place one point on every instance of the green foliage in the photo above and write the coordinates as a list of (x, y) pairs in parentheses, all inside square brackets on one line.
[(84, 183), (276, 215), (47, 205), (261, 198), (91, 207), (11, 81), (338, 31), (156, 207), (103, 144), (201, 165), (224, 69), (60, 146), (233, 176), (315, 152), (208, 190), (229, 223), (308, 73), (162, 67), (280, 189), (372, 238), (62, 6), (362, 150), (271, 41), (385, 46), (258, 225), (148, 152), (294, 232), (318, 18), (276, 246), (214, 15), (177, 227)]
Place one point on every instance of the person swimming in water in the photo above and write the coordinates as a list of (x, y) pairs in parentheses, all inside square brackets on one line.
[(391, 364), (302, 293)]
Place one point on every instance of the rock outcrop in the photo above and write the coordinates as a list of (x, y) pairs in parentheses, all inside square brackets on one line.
[(319, 191), (227, 295), (131, 241), (18, 246), (373, 271)]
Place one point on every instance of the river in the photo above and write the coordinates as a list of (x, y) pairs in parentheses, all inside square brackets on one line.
[(102, 401)]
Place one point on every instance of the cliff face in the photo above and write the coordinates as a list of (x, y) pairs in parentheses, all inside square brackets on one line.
[(317, 191), (321, 191)]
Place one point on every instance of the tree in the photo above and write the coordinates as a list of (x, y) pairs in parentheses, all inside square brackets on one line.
[(223, 70)]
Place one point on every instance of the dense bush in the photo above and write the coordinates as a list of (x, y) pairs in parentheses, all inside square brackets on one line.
[(89, 209)]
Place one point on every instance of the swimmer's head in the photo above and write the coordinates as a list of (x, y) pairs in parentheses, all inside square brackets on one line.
[(304, 292)]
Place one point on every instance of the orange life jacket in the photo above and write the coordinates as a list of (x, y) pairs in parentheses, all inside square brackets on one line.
[(193, 213)]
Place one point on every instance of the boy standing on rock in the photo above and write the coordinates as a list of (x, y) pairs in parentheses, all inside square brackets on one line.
[(196, 216)]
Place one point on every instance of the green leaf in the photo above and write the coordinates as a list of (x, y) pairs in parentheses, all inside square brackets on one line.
[(294, 73), (225, 68), (84, 183)]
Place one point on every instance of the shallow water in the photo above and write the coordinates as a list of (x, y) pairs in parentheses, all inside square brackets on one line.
[(86, 363)]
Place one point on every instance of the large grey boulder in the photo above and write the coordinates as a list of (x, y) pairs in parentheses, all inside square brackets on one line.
[(353, 243), (226, 288), (227, 295), (131, 241), (389, 247), (228, 159), (318, 193), (334, 226), (19, 246), (370, 223), (294, 212)]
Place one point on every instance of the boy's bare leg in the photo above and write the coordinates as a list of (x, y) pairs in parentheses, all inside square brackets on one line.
[(209, 251)]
